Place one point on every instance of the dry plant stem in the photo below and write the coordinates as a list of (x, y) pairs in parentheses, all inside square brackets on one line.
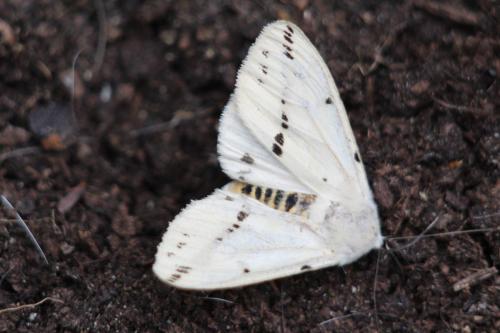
[(23, 225), (449, 233), (73, 89), (378, 57), (339, 317), (19, 152), (479, 217), (102, 38), (375, 306), (217, 299), (459, 108), (282, 309), (450, 12), (177, 119), (7, 221), (30, 306), (418, 237), (474, 278)]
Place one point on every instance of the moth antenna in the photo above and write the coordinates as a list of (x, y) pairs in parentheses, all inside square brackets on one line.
[(24, 226), (439, 234), (423, 234), (394, 257), (418, 237), (375, 307)]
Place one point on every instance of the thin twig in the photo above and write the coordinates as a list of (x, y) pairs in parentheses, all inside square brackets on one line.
[(30, 306), (24, 226), (418, 237), (475, 278), (102, 38), (4, 275), (460, 108), (19, 152), (378, 57), (282, 309), (217, 299), (8, 221), (452, 12), (179, 117), (485, 216), (73, 91), (340, 317), (375, 305), (449, 233)]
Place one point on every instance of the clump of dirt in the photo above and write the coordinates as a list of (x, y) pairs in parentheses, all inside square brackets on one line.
[(146, 83)]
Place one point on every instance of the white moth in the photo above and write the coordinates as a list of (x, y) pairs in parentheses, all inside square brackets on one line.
[(300, 200)]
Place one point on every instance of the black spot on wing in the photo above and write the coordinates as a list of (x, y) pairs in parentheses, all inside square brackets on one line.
[(288, 36), (267, 195), (174, 277), (241, 216), (282, 101), (247, 158), (246, 270), (329, 100), (289, 55), (264, 69), (279, 139), (284, 124), (288, 48), (291, 201), (305, 268), (258, 192), (325, 180), (278, 198), (247, 189), (277, 150), (236, 226), (356, 157), (265, 53)]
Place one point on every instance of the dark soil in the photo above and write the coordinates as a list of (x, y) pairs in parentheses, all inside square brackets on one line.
[(137, 141)]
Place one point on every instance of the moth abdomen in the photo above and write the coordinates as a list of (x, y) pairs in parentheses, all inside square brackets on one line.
[(290, 202)]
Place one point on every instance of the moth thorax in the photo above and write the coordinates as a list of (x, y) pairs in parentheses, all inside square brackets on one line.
[(291, 202), (351, 231)]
